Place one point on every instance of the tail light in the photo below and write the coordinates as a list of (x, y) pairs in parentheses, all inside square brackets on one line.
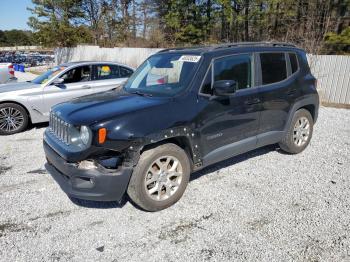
[(11, 70)]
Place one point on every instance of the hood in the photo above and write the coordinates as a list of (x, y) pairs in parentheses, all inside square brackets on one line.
[(91, 109), (16, 86)]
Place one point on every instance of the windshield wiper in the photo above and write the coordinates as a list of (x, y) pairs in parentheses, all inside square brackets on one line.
[(140, 94)]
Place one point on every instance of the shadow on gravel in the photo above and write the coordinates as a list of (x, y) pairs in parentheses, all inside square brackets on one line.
[(38, 126), (234, 160), (196, 175), (98, 204)]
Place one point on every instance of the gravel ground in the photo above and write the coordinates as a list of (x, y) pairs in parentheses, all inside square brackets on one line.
[(260, 206)]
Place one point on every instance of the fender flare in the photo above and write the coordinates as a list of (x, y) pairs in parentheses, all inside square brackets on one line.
[(133, 152), (311, 100)]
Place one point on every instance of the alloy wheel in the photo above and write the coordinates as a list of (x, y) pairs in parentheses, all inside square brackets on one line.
[(163, 178), (301, 131), (11, 119)]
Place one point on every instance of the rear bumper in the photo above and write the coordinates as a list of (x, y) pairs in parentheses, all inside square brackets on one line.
[(96, 184)]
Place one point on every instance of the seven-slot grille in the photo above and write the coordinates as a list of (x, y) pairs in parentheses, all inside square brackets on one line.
[(59, 128)]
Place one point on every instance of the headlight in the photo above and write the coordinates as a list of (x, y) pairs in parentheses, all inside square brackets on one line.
[(80, 137), (85, 135)]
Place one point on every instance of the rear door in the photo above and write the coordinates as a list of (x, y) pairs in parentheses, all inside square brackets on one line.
[(108, 76), (278, 88), (77, 83)]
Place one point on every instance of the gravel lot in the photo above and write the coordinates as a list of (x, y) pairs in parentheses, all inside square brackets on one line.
[(261, 206)]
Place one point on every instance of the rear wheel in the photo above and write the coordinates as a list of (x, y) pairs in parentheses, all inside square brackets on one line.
[(160, 177), (299, 134), (13, 119)]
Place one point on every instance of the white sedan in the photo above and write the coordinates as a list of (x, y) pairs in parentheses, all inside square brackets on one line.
[(30, 102)]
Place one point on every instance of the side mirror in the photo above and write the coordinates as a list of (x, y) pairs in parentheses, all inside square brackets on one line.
[(225, 87), (57, 81)]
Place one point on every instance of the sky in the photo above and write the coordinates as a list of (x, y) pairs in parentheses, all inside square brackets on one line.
[(14, 14)]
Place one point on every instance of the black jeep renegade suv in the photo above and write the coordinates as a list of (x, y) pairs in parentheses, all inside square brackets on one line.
[(182, 110)]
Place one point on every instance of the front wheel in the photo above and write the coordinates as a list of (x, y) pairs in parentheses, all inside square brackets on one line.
[(160, 177), (13, 119), (299, 134)]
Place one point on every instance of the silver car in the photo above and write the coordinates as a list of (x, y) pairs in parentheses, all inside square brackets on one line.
[(30, 102)]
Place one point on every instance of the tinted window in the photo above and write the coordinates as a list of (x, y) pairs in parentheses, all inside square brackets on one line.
[(78, 74), (273, 67), (236, 68), (125, 72), (293, 62), (206, 87), (107, 72)]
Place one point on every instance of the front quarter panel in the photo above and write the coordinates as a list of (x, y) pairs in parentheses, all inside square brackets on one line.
[(31, 99), (134, 130)]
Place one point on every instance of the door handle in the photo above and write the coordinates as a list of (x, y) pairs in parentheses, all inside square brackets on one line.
[(291, 92), (86, 87), (252, 101)]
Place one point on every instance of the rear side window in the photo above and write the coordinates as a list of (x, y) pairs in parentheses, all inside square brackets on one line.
[(293, 62), (236, 67), (273, 67), (125, 72), (107, 72)]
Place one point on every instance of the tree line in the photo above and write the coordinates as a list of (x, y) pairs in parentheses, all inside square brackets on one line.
[(16, 37), (320, 26)]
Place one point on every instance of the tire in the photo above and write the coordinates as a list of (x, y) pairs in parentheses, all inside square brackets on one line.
[(297, 138), (154, 172), (13, 119)]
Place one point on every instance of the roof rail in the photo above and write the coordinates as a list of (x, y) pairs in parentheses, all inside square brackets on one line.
[(181, 48), (228, 45), (253, 44)]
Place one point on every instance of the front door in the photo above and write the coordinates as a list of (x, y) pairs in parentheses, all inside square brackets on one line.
[(76, 84), (228, 124)]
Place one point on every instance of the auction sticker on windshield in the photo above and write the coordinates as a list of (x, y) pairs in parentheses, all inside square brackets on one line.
[(190, 58)]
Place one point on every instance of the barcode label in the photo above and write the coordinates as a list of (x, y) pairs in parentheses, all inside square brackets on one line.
[(190, 58)]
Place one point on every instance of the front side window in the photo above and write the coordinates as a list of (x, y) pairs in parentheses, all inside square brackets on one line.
[(207, 83), (125, 72), (104, 72), (273, 67), (163, 74), (77, 74), (237, 68)]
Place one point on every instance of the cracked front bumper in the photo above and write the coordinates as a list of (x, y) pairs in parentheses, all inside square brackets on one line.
[(90, 184)]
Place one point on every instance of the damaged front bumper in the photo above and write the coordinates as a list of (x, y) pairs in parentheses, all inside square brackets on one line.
[(98, 183)]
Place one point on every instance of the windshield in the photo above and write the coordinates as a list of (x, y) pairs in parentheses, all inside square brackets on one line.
[(42, 79), (163, 74)]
